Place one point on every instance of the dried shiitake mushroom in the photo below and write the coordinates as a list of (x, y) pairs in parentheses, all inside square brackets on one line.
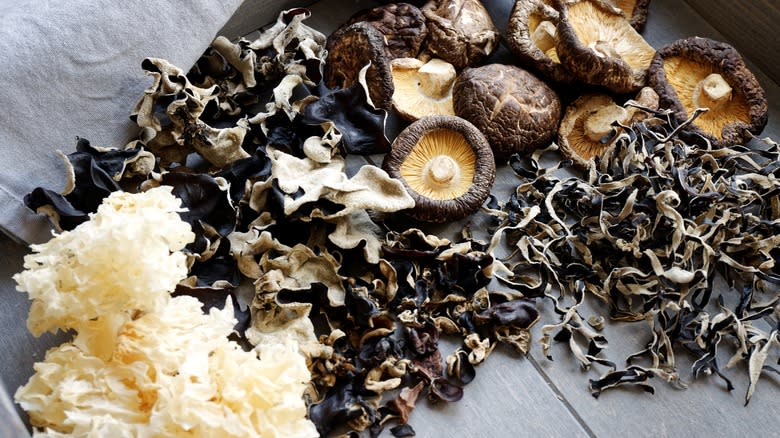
[(357, 46), (422, 88), (591, 124), (402, 24), (635, 11), (598, 46), (516, 111), (531, 34), (445, 164), (699, 72), (460, 32)]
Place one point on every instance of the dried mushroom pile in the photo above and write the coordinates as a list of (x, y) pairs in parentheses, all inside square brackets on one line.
[(254, 140)]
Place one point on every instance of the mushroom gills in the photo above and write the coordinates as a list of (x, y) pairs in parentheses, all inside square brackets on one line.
[(441, 166), (599, 31), (700, 85), (422, 89)]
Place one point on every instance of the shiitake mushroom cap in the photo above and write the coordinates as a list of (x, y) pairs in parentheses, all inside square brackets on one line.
[(446, 166), (682, 66), (353, 48), (515, 110), (402, 24), (530, 36), (597, 45)]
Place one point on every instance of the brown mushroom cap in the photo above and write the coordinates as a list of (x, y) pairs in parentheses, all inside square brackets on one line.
[(598, 46), (531, 34), (422, 88), (516, 111), (460, 32), (699, 72), (402, 24), (588, 128), (635, 11), (352, 49), (446, 166)]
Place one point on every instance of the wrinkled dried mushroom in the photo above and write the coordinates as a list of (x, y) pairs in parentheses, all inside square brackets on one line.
[(350, 50), (402, 24), (422, 88), (460, 32), (446, 165), (599, 47), (699, 72), (592, 123), (516, 111), (531, 34)]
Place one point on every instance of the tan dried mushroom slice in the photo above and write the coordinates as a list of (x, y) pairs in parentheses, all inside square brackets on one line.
[(699, 72), (531, 34), (358, 45), (516, 111), (460, 32), (422, 88), (588, 128), (445, 164), (597, 44)]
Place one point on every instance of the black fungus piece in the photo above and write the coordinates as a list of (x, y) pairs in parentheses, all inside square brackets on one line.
[(342, 404), (361, 126), (93, 171), (402, 430)]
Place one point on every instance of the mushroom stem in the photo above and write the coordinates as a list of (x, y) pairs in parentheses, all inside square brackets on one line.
[(599, 124), (711, 92), (604, 49), (436, 78), (441, 171), (544, 36)]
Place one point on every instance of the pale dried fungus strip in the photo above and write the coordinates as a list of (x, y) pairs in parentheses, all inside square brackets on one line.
[(654, 223)]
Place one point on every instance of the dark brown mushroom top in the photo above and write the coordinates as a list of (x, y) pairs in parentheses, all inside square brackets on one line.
[(598, 46), (460, 32), (592, 122), (402, 24), (531, 34), (445, 164), (354, 48), (699, 72), (516, 111), (635, 11)]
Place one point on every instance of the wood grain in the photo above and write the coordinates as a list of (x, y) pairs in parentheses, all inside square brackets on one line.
[(750, 26)]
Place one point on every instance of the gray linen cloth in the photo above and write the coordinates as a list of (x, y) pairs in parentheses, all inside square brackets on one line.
[(72, 69)]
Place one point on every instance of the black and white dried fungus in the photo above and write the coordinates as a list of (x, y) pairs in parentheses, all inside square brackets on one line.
[(255, 144)]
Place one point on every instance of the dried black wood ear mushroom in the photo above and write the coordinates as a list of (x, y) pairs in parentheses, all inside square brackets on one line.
[(699, 72), (350, 50), (422, 88), (531, 34), (402, 24), (460, 32), (591, 124), (597, 44), (517, 111), (635, 11), (446, 165)]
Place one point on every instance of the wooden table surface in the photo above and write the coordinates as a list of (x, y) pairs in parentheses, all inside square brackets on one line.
[(513, 395)]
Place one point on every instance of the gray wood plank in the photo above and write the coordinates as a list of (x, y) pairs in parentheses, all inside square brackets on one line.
[(745, 24)]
